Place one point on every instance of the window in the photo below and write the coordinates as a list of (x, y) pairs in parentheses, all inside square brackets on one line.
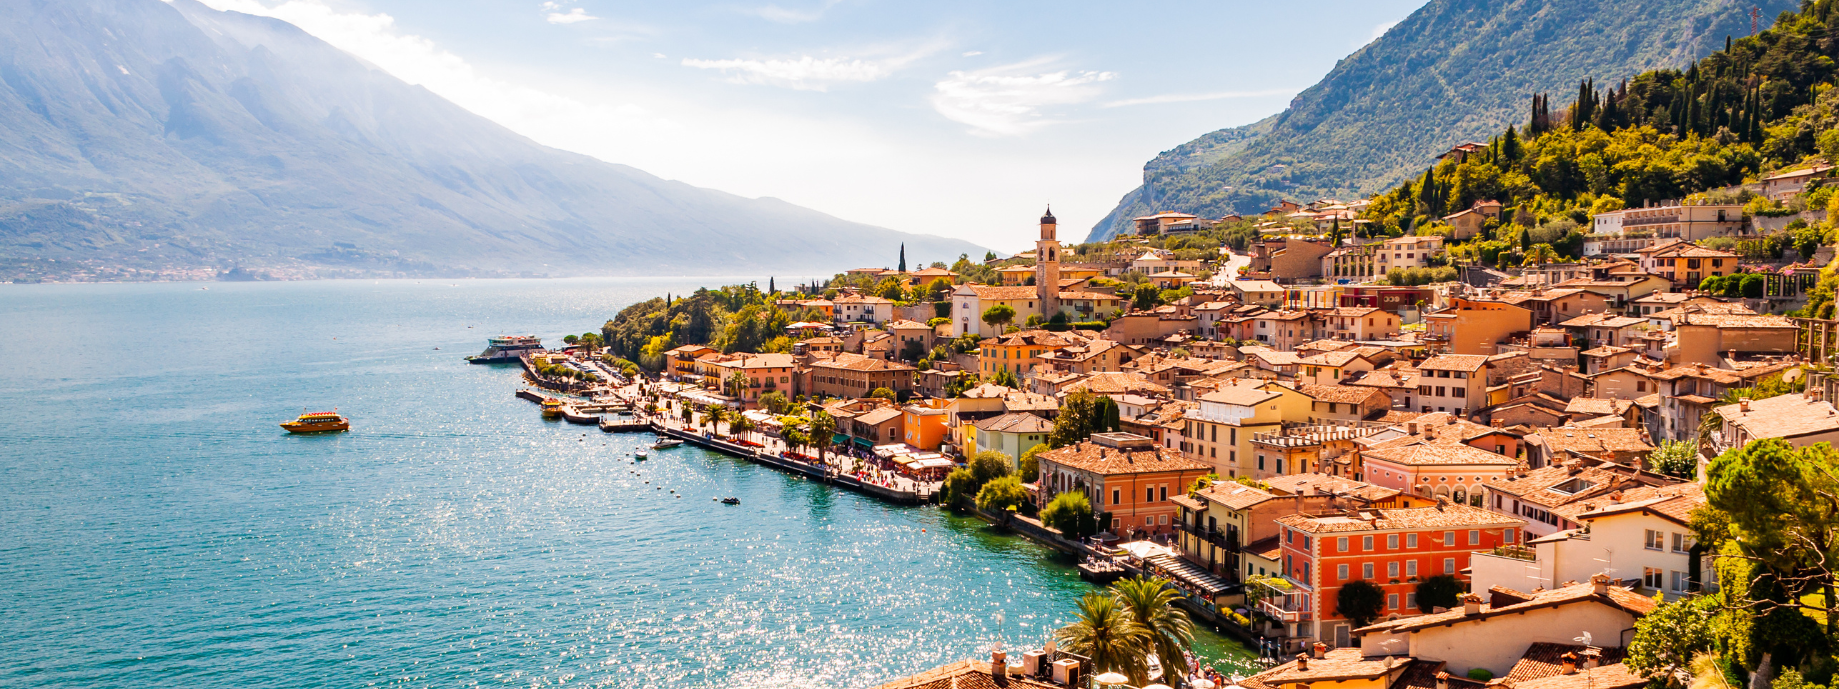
[(1341, 544), (1392, 570), (1474, 537), (1366, 571), (1341, 572), (1411, 540), (1449, 538), (1411, 568), (1507, 536), (1449, 565), (1650, 577), (1655, 540), (1411, 601), (1149, 494), (1117, 496), (1287, 534), (1165, 493), (1366, 543), (1677, 581), (1682, 542), (1391, 541), (1458, 392), (1391, 601)]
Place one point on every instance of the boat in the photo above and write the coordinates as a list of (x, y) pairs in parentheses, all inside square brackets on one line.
[(318, 422), (731, 501), (552, 408), (666, 443), (640, 454), (506, 349)]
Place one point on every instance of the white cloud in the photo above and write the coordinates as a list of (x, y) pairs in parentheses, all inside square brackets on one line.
[(1009, 101), (1192, 97), (1381, 30), (973, 53), (658, 55), (804, 73), (782, 15), (572, 16)]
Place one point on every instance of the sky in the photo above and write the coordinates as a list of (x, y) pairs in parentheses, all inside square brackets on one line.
[(952, 118)]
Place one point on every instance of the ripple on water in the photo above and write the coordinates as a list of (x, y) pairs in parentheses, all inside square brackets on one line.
[(156, 528)]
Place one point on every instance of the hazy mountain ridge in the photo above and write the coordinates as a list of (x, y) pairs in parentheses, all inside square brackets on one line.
[(1453, 71), (145, 131)]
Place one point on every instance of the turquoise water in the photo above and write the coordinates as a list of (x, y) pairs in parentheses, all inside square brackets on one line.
[(157, 529)]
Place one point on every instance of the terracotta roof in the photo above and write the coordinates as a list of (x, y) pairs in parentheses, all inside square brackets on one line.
[(1235, 495), (858, 362), (1015, 422), (1616, 597), (1307, 484), (1003, 293), (1243, 393), (1735, 320), (1597, 406), (1545, 659), (1673, 502), (1782, 416), (1336, 358), (1439, 517), (1346, 394), (964, 674), (1454, 362), (1110, 461), (879, 415), (1115, 383), (1439, 454), (1537, 486), (1596, 442), (1337, 665), (1025, 338), (1614, 676)]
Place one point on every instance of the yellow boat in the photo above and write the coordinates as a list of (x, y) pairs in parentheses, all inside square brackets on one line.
[(318, 422), (552, 408)]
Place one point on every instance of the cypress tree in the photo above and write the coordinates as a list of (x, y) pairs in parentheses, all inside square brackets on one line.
[(903, 257), (769, 287), (1510, 145)]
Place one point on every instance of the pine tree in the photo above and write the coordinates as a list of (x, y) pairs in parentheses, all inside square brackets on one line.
[(903, 257), (770, 289), (1510, 145)]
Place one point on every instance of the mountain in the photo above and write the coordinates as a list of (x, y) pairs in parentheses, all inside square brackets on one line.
[(168, 135), (1452, 72)]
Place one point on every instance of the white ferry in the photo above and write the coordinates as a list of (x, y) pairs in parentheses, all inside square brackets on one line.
[(507, 348)]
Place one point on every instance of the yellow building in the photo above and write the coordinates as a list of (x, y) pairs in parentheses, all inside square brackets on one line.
[(1219, 429), (1016, 353)]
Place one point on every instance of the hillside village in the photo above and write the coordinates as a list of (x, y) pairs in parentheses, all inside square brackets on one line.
[(1511, 426), (1421, 439)]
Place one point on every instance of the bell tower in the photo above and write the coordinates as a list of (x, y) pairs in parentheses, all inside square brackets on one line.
[(1047, 267)]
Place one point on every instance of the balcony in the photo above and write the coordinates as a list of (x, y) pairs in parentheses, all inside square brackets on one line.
[(1285, 605)]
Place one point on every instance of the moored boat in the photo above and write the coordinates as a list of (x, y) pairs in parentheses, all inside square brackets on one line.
[(640, 454), (318, 422), (666, 443), (731, 501), (507, 349), (552, 408)]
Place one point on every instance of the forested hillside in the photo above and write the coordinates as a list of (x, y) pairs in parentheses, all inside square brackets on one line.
[(1454, 71), (1758, 105)]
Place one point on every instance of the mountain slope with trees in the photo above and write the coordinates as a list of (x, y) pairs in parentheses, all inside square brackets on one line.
[(1452, 72), (143, 132)]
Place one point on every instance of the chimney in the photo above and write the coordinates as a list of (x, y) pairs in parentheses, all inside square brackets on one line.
[(1599, 583), (1471, 604), (1813, 393), (1743, 404), (1302, 661), (1411, 428), (999, 664), (1592, 658), (1570, 663), (1318, 650), (1442, 680), (1497, 423)]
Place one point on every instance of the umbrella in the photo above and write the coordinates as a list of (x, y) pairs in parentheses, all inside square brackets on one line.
[(1202, 684), (1111, 678), (1158, 686)]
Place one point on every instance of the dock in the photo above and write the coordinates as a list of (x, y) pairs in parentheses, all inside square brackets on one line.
[(613, 424), (792, 466)]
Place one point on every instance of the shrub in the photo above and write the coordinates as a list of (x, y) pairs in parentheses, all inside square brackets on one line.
[(1001, 494), (1360, 602), (1029, 465), (1439, 591), (959, 485), (1480, 674), (990, 465), (1070, 513)]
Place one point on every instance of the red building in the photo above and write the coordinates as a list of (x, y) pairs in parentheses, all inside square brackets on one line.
[(1393, 548)]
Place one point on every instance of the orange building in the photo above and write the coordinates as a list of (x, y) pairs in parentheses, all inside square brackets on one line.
[(1128, 478), (1394, 549), (1016, 353), (925, 423)]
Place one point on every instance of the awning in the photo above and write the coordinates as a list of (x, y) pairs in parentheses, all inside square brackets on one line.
[(839, 439), (938, 463), (864, 442)]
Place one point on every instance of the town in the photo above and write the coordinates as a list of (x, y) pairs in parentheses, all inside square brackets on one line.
[(1318, 458)]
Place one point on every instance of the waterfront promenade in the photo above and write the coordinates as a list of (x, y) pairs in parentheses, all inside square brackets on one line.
[(850, 467)]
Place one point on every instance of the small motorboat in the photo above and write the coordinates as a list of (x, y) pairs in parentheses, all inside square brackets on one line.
[(639, 455), (666, 443), (731, 501)]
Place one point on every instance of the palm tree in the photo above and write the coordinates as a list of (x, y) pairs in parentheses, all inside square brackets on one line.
[(739, 424), (737, 385), (1106, 634), (823, 428), (1168, 631), (1539, 254)]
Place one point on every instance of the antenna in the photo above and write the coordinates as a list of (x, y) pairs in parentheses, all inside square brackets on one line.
[(1754, 13)]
